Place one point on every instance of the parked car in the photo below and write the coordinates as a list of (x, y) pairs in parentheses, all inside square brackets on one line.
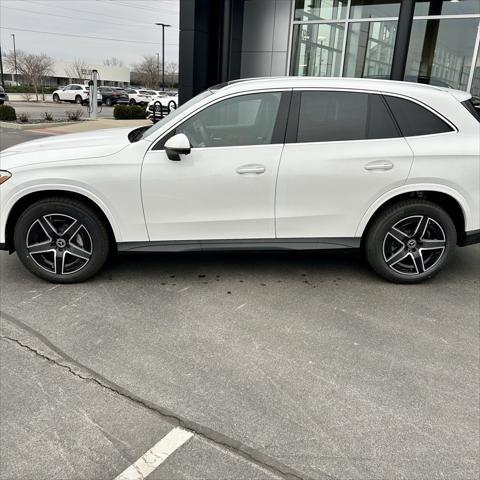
[(136, 97), (156, 109), (12, 83), (391, 168), (161, 103), (74, 93), (167, 99), (112, 96), (3, 96)]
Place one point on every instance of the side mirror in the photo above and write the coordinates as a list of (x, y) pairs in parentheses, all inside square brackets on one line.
[(177, 145)]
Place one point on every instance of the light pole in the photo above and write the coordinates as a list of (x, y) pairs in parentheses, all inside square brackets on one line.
[(158, 67), (14, 56), (163, 25), (1, 67)]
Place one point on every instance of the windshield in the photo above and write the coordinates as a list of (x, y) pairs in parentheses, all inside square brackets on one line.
[(177, 112)]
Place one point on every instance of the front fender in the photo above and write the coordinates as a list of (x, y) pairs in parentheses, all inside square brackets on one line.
[(9, 201)]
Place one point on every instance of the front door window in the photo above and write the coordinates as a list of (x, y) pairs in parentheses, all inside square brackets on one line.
[(238, 121)]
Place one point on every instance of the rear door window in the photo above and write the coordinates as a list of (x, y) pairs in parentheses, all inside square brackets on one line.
[(341, 116), (414, 120)]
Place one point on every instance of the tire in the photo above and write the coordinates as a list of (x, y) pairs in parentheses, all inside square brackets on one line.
[(56, 98), (172, 105), (411, 241), (78, 100), (41, 240), (132, 102), (108, 102)]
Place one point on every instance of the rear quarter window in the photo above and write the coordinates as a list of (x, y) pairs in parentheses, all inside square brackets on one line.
[(414, 120)]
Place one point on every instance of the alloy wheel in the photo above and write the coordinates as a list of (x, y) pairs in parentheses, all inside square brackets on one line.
[(59, 244), (414, 245)]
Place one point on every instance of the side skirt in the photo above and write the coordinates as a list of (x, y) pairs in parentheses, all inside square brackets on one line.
[(248, 244), (471, 238)]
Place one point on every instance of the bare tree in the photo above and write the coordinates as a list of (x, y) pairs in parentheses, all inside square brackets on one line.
[(171, 74), (31, 66), (76, 70), (147, 71), (113, 62)]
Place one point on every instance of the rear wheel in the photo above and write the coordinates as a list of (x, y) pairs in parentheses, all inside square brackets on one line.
[(411, 241), (108, 102), (132, 101), (172, 105), (78, 100), (61, 240)]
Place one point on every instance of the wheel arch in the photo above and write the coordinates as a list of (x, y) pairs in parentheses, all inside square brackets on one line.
[(25, 201), (453, 206)]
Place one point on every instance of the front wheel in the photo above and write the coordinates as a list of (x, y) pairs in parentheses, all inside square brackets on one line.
[(108, 102), (56, 98), (61, 240), (172, 105), (411, 241)]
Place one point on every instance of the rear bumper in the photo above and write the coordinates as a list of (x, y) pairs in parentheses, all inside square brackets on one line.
[(470, 238)]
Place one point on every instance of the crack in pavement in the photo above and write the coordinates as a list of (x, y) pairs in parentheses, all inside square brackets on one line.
[(234, 446)]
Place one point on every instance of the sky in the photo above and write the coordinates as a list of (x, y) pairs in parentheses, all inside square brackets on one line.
[(128, 23)]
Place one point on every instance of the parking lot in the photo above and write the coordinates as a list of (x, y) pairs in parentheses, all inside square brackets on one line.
[(281, 365)]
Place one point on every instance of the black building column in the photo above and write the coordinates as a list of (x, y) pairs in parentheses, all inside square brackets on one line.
[(210, 44), (402, 40)]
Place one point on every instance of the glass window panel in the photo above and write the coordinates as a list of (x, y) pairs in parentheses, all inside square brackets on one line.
[(332, 116), (369, 9), (447, 7), (441, 51), (476, 82), (317, 49), (414, 119), (370, 49), (242, 120), (306, 10), (380, 123)]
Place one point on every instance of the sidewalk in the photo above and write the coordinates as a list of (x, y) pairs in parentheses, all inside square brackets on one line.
[(91, 125)]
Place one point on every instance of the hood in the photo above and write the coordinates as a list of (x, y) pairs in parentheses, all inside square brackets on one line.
[(72, 146)]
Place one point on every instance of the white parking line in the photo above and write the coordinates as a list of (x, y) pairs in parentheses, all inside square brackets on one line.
[(154, 457)]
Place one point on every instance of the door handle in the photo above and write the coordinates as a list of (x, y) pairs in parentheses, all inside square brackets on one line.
[(251, 169), (379, 165)]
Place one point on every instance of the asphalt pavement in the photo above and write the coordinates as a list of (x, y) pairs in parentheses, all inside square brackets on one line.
[(295, 365)]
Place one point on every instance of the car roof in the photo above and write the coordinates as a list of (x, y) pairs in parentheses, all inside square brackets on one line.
[(416, 90)]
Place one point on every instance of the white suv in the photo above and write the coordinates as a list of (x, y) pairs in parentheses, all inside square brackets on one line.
[(137, 97), (392, 168), (74, 93), (162, 103)]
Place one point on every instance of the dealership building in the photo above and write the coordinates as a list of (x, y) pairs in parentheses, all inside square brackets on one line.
[(434, 42)]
